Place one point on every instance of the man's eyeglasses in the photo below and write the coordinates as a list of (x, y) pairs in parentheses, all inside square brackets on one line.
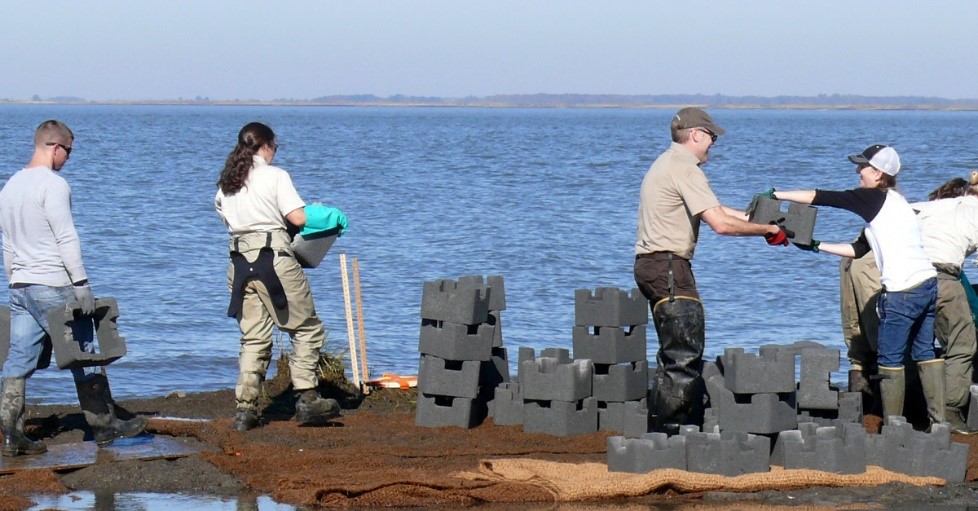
[(66, 148), (713, 136)]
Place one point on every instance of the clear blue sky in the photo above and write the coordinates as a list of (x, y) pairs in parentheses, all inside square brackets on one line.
[(112, 49)]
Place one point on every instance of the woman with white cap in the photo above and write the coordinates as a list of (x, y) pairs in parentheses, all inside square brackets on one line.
[(907, 302)]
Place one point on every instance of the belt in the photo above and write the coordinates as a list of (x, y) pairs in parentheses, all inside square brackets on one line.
[(659, 255)]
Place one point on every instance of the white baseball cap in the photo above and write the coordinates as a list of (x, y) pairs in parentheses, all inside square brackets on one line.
[(881, 157)]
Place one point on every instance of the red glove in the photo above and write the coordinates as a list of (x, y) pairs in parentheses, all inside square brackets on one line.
[(779, 238)]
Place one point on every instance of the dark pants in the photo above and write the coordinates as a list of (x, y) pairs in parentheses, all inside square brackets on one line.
[(678, 316)]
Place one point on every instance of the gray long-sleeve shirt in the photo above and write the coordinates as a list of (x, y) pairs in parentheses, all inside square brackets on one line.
[(40, 243)]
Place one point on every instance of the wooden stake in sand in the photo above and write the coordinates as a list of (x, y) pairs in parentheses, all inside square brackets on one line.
[(354, 366), (360, 331)]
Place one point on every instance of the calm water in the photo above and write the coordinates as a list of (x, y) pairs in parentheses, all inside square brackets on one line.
[(546, 198)]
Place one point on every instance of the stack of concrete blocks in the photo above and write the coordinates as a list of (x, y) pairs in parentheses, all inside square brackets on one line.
[(755, 393), (610, 330), (460, 366), (899, 448), (729, 453), (840, 449), (556, 393)]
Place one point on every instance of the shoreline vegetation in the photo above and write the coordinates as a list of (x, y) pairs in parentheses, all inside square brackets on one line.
[(665, 101)]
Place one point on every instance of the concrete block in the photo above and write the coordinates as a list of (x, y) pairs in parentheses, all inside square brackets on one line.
[(630, 418), (766, 211), (767, 373), (436, 411), (455, 341), (497, 293), (494, 320), (620, 382), (752, 413), (562, 355), (901, 449), (440, 377), (650, 452), (850, 407), (494, 371), (560, 418), (840, 449), (729, 453), (814, 388), (800, 223), (794, 349), (66, 321), (508, 405), (447, 300), (711, 421), (973, 408), (549, 379), (609, 306), (611, 345)]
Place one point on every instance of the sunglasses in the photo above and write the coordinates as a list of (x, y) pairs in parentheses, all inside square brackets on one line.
[(713, 136), (66, 148)]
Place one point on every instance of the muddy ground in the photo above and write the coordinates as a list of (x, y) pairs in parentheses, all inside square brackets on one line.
[(374, 456)]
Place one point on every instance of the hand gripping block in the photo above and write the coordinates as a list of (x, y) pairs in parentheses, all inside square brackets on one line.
[(64, 322)]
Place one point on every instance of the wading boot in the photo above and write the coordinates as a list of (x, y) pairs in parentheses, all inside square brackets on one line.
[(679, 391), (893, 386), (12, 420), (246, 395), (935, 391), (95, 401), (245, 419), (311, 408), (863, 380), (955, 419)]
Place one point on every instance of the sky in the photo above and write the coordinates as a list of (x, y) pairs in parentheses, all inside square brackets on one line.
[(302, 49)]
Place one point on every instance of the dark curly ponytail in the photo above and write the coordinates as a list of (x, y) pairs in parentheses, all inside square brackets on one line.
[(251, 138)]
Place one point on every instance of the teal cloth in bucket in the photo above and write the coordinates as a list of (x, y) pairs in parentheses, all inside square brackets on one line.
[(323, 221)]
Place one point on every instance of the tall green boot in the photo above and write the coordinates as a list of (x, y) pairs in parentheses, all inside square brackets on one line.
[(935, 392), (893, 386), (12, 420)]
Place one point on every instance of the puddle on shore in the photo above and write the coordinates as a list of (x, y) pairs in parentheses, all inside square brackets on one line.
[(88, 501)]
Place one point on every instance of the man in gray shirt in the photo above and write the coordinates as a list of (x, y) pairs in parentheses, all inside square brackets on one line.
[(42, 260)]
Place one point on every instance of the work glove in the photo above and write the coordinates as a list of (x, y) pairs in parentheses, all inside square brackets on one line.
[(86, 300), (809, 248), (779, 238), (767, 194)]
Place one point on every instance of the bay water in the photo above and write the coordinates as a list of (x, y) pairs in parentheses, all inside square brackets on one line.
[(547, 198)]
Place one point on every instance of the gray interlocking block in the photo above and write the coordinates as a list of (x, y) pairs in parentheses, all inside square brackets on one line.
[(840, 449), (650, 452), (729, 453), (814, 389), (549, 379), (794, 349), (711, 421), (769, 372), (767, 210), (850, 407), (455, 341), (800, 223), (620, 382), (752, 413), (436, 411), (560, 418), (609, 306), (630, 418), (494, 371), (508, 405), (901, 449), (64, 320), (611, 345), (494, 320), (440, 377), (562, 355), (497, 293), (447, 300)]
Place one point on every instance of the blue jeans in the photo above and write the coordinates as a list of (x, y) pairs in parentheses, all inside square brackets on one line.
[(29, 307), (907, 324)]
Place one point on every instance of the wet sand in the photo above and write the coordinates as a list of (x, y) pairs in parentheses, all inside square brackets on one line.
[(374, 456)]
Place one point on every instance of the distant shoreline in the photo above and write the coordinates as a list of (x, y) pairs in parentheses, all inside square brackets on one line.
[(606, 101)]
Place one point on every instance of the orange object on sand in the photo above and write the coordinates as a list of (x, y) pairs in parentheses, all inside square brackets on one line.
[(394, 381)]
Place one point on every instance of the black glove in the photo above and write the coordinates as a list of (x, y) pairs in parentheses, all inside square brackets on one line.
[(86, 300), (809, 248)]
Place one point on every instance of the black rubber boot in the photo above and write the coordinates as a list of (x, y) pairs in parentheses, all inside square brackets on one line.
[(679, 390), (15, 442), (245, 420), (311, 408), (94, 398)]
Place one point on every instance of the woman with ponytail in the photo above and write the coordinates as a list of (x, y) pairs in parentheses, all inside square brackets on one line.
[(257, 203)]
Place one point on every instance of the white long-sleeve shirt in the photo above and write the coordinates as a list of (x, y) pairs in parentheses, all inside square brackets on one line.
[(40, 243), (949, 228)]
